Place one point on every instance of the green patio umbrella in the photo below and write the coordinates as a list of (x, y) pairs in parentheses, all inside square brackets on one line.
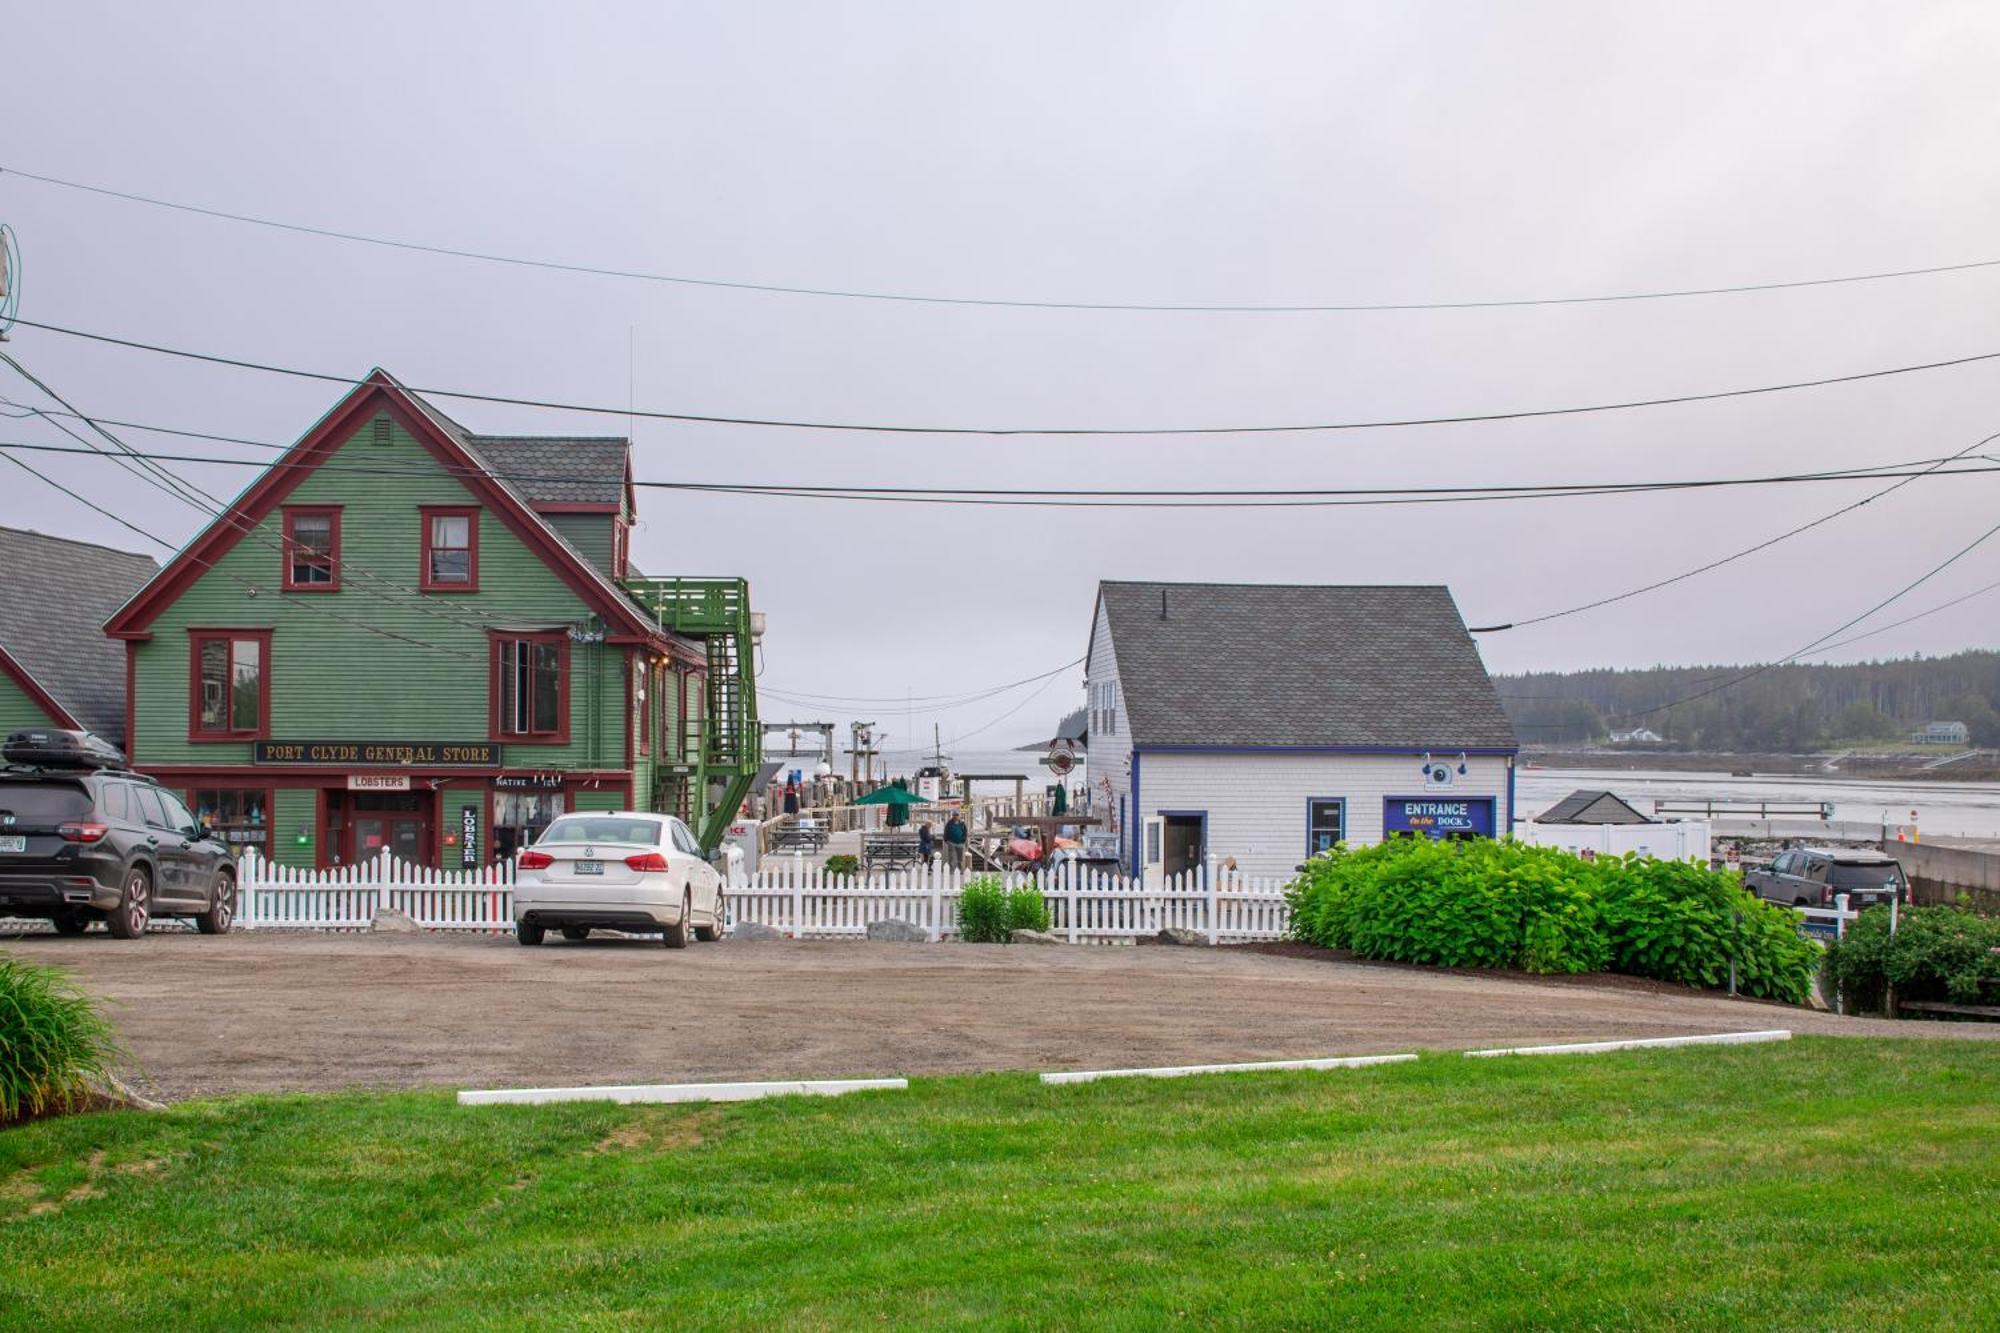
[(898, 799)]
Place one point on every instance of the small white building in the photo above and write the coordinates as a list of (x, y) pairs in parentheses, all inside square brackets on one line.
[(1263, 723), (1942, 733)]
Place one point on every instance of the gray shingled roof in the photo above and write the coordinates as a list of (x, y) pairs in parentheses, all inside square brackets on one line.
[(54, 599), (1292, 665), (592, 467), (1585, 806)]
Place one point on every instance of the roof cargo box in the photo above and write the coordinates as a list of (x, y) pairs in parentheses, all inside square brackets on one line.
[(49, 747)]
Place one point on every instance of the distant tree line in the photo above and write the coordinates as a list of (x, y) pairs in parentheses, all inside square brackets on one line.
[(1797, 707)]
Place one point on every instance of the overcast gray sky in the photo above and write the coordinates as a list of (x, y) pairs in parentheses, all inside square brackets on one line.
[(1142, 152)]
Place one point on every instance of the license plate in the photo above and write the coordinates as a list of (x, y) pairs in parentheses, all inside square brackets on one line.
[(590, 867), (15, 843)]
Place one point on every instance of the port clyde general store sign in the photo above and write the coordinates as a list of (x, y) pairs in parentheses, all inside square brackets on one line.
[(397, 754)]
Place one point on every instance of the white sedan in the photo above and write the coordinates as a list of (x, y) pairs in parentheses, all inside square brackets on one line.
[(625, 870)]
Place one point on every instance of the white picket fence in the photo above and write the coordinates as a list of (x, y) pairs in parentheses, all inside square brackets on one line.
[(788, 895), (275, 897)]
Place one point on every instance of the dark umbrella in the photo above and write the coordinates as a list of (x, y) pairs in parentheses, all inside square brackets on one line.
[(898, 799)]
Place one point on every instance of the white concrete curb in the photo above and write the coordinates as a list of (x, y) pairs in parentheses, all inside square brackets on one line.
[(1179, 1071), (1593, 1047), (682, 1092)]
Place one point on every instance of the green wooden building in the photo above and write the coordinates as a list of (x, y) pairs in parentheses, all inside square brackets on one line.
[(406, 636)]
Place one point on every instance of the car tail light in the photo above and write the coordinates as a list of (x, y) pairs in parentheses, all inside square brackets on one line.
[(82, 830), (532, 860), (645, 861)]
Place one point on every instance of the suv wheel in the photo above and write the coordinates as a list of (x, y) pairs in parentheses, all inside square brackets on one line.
[(71, 923), (128, 920), (221, 913), (576, 934)]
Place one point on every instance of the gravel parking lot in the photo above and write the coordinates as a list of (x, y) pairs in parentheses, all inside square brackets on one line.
[(264, 1012)]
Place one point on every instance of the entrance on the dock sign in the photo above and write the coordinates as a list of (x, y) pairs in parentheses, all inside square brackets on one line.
[(1433, 817)]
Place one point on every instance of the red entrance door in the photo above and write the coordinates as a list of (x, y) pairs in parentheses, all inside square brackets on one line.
[(398, 833)]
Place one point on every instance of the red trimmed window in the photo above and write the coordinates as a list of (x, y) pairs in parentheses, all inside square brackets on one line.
[(451, 548), (312, 548), (531, 687), (229, 684)]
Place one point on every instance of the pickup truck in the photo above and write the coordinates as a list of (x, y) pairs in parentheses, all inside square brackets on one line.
[(1811, 876)]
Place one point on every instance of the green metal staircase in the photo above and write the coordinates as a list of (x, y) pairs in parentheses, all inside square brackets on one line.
[(725, 743)]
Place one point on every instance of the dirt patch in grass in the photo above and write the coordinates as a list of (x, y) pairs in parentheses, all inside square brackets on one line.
[(659, 1130)]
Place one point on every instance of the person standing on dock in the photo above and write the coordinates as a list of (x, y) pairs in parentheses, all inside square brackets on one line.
[(954, 841), (926, 845)]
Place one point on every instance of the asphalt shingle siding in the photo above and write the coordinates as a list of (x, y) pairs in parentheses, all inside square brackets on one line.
[(55, 595), (1301, 666)]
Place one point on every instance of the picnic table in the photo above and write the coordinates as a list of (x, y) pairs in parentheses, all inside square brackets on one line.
[(800, 834), (890, 848)]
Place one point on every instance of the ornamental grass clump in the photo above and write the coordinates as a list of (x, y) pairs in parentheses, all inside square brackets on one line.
[(54, 1042), (982, 911), (1026, 910)]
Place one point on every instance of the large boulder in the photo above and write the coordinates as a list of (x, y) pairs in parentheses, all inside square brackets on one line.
[(754, 932), (1178, 935), (1038, 937), (390, 921), (899, 932)]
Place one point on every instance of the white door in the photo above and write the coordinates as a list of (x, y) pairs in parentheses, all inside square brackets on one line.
[(1153, 852)]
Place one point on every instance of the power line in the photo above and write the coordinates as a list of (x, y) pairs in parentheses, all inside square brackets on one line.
[(1904, 591), (522, 261), (1188, 498), (1898, 624), (962, 695), (226, 512), (1385, 423), (164, 543), (1738, 555)]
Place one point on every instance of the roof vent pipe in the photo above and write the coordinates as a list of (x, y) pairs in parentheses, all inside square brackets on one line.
[(1163, 603)]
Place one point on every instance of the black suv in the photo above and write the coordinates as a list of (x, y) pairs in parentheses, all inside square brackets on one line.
[(83, 840)]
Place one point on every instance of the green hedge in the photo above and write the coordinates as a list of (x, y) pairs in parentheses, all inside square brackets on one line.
[(1485, 903), (54, 1040), (1937, 953)]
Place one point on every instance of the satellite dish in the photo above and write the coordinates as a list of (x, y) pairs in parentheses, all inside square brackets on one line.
[(10, 278)]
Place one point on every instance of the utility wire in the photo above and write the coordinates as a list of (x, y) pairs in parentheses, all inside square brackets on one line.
[(962, 695), (1898, 624), (254, 587), (1755, 672), (1384, 423), (226, 512), (1190, 498), (523, 261), (1767, 543)]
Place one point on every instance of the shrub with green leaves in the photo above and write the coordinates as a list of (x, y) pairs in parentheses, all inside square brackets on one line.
[(1676, 921), (1473, 903), (54, 1040), (1484, 903), (842, 866), (982, 911), (1937, 953)]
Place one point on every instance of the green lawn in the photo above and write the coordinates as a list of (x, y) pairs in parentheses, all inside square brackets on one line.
[(1817, 1184)]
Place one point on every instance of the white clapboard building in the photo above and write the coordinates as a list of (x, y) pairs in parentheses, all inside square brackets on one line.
[(1259, 723)]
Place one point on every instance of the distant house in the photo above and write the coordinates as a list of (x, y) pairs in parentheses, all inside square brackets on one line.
[(1592, 807), (1638, 736), (56, 667), (1265, 723), (1942, 733)]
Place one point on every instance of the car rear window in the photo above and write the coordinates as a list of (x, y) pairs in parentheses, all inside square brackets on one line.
[(1865, 875), (602, 828), (44, 802)]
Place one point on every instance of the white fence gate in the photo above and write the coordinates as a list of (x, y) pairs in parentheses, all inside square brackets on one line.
[(788, 895)]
